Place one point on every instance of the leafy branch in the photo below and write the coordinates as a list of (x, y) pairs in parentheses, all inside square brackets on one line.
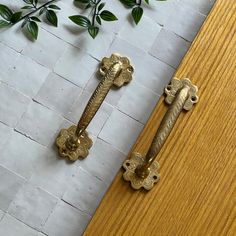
[(137, 10), (97, 15), (91, 23), (30, 21)]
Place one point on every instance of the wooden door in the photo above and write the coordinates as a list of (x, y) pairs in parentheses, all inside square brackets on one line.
[(196, 194)]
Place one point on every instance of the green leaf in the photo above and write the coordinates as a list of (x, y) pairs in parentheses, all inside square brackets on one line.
[(93, 31), (15, 17), (88, 6), (137, 13), (4, 24), (129, 3), (28, 1), (5, 12), (55, 7), (108, 16), (34, 18), (80, 20), (27, 7), (98, 19), (33, 29), (83, 1), (52, 17), (42, 10), (147, 1), (25, 22), (100, 7)]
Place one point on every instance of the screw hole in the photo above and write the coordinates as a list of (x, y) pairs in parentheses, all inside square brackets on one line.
[(130, 69), (155, 177), (103, 69), (194, 99), (168, 87)]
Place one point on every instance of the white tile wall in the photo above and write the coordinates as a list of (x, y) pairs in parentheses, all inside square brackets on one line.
[(32, 205), (44, 86)]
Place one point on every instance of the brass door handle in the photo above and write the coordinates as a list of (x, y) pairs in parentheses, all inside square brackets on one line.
[(143, 171), (74, 142)]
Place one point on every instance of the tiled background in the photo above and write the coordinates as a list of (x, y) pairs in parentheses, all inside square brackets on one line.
[(44, 86)]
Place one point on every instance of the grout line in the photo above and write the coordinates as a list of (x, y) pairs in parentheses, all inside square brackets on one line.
[(78, 209)]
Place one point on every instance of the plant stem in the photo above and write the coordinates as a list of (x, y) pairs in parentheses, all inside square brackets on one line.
[(37, 9), (94, 13), (139, 3)]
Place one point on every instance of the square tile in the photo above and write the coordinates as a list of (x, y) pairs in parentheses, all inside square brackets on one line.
[(153, 74), (13, 105), (187, 22), (138, 102), (52, 173), (169, 48), (103, 162), (61, 97), (1, 215), (11, 227), (140, 35), (13, 36), (57, 223), (47, 50), (39, 123), (121, 131), (126, 49), (10, 185), (5, 134), (8, 57), (76, 66), (203, 6), (159, 11), (85, 197), (86, 43), (19, 146), (27, 76), (32, 206)]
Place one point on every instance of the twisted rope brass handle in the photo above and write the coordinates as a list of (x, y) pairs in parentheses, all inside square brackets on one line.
[(98, 97), (74, 143), (143, 171)]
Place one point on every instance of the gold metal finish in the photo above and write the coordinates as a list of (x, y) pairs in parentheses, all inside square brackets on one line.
[(74, 143), (143, 171)]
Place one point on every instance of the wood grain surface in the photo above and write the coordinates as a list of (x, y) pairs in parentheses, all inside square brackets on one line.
[(196, 194)]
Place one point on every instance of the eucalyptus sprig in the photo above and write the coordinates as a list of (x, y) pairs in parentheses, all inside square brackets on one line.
[(97, 14), (137, 10), (30, 20)]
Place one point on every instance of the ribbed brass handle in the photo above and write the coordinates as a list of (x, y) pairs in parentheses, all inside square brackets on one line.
[(74, 142), (143, 171)]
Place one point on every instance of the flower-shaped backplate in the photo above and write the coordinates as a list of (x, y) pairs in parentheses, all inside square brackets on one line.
[(126, 72), (136, 182), (175, 85), (84, 144)]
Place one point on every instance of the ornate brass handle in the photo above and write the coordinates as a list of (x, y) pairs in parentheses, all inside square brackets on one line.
[(143, 171), (74, 142)]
